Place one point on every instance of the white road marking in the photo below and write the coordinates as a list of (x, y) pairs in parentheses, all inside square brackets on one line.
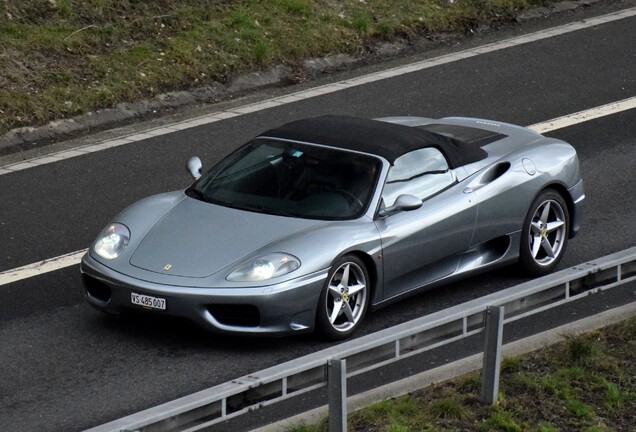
[(73, 258), (319, 91), (42, 267), (586, 115)]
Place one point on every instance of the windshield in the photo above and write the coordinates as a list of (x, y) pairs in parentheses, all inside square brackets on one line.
[(291, 179)]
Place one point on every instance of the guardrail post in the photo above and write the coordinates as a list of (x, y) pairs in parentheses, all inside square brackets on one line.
[(337, 376), (492, 354)]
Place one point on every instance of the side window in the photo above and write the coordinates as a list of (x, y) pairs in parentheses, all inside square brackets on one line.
[(422, 173)]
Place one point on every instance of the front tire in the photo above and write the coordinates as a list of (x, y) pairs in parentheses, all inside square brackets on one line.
[(545, 234), (344, 299)]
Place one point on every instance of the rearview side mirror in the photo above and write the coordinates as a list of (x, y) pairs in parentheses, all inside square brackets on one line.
[(405, 202), (194, 166)]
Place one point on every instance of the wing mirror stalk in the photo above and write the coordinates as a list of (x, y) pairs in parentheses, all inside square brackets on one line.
[(404, 202), (194, 167)]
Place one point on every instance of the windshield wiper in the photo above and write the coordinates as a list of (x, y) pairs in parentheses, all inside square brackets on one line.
[(248, 207), (196, 193), (262, 209)]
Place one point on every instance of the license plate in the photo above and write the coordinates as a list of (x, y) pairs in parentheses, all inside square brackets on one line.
[(148, 301)]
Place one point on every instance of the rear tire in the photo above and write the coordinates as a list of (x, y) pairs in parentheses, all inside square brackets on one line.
[(344, 299), (545, 234)]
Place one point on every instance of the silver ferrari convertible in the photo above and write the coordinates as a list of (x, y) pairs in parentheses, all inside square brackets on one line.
[(311, 224)]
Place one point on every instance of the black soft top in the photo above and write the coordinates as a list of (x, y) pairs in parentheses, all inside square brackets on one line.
[(388, 140)]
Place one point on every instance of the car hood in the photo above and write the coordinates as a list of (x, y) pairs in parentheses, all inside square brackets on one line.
[(198, 239)]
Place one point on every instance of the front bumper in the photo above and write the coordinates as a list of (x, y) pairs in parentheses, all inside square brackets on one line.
[(288, 307)]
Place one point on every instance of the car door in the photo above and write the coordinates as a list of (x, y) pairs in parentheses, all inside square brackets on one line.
[(423, 245)]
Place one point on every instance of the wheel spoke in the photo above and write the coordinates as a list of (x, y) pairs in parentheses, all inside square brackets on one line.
[(547, 247), (334, 291), (545, 213), (536, 245), (345, 276), (353, 289), (346, 308), (335, 313), (552, 226)]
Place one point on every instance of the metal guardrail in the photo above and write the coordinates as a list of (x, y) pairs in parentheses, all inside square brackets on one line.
[(294, 378)]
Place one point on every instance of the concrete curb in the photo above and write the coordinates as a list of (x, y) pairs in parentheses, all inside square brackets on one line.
[(460, 367), (27, 138)]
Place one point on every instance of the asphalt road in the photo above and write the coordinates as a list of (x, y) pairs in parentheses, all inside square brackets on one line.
[(67, 367)]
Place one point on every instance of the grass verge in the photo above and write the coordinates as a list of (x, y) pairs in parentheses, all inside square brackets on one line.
[(587, 383), (60, 58)]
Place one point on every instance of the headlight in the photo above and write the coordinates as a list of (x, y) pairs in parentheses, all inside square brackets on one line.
[(112, 241), (264, 267)]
